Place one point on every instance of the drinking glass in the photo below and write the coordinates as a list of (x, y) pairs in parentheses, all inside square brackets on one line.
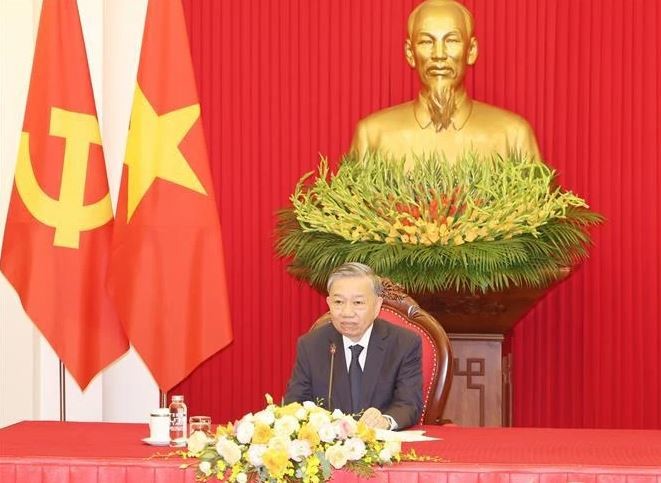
[(200, 423)]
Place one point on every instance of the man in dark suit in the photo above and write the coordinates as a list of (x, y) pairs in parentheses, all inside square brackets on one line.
[(376, 365)]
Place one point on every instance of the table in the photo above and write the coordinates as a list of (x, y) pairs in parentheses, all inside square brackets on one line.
[(55, 452)]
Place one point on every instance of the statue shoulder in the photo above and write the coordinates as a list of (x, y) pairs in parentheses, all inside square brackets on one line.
[(517, 131), (488, 113), (390, 116), (369, 130)]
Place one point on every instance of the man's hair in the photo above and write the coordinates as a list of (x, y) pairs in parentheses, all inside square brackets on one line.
[(355, 269), (468, 16)]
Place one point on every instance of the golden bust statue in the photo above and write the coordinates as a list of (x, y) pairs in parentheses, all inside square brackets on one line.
[(443, 119)]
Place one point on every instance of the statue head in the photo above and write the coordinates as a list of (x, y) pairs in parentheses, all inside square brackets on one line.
[(440, 46)]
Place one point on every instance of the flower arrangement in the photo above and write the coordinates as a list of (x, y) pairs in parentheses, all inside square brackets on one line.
[(476, 224), (296, 442)]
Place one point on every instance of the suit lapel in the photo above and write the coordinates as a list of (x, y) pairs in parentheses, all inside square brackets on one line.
[(376, 352), (341, 386)]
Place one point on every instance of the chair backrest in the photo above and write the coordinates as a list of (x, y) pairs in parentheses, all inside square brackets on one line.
[(400, 309)]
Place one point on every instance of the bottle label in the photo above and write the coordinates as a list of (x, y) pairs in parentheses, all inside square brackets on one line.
[(178, 424), (178, 419)]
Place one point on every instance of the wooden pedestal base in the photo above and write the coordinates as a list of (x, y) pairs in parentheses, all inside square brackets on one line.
[(479, 395), (477, 324)]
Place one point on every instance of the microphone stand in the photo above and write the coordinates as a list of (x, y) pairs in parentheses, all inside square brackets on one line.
[(332, 350)]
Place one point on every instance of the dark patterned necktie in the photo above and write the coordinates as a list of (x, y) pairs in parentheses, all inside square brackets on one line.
[(356, 377)]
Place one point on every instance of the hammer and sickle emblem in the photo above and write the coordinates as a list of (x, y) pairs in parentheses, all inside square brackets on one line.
[(68, 214)]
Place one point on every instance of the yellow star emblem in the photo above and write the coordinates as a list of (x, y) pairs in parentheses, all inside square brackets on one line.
[(152, 149)]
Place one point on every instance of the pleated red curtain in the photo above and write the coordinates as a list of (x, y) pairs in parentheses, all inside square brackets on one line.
[(283, 80)]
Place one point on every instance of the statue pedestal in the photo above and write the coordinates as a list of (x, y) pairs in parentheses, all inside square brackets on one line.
[(478, 395), (476, 324)]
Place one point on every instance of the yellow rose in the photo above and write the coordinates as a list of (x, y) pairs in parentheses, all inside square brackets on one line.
[(288, 410), (309, 434), (276, 461), (262, 434)]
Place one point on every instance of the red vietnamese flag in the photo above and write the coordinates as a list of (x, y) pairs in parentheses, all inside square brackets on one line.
[(167, 273), (59, 225)]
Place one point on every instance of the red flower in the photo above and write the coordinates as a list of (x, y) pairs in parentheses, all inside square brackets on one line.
[(433, 209)]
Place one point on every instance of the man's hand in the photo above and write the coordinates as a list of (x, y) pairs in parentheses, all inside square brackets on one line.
[(373, 418)]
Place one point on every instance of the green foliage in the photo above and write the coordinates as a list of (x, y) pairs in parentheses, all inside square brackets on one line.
[(477, 224)]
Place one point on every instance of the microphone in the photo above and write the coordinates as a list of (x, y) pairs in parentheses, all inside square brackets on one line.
[(332, 348)]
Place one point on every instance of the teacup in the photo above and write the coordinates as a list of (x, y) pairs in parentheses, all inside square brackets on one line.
[(159, 425)]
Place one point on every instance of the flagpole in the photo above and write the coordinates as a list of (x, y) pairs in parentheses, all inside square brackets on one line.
[(63, 394)]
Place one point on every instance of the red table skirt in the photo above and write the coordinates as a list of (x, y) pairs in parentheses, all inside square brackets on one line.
[(403, 473), (50, 452)]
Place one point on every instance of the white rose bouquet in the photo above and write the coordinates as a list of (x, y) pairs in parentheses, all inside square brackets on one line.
[(296, 442)]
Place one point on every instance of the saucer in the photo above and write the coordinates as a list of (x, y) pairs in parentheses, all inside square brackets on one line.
[(156, 442)]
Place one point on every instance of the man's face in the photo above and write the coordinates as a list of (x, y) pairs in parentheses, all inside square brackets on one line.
[(353, 306), (440, 47)]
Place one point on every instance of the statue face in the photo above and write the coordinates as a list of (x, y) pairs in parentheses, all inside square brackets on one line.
[(440, 47)]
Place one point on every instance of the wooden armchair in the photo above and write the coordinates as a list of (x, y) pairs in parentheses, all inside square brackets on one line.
[(400, 309)]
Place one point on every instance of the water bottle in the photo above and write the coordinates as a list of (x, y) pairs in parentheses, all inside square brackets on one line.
[(178, 420)]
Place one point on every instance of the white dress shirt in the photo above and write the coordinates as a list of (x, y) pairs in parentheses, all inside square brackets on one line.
[(364, 341)]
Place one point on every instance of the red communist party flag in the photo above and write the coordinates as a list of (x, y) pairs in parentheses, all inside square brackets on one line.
[(59, 226), (167, 273)]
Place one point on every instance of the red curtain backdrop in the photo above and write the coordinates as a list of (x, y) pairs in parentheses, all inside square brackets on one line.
[(283, 80)]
